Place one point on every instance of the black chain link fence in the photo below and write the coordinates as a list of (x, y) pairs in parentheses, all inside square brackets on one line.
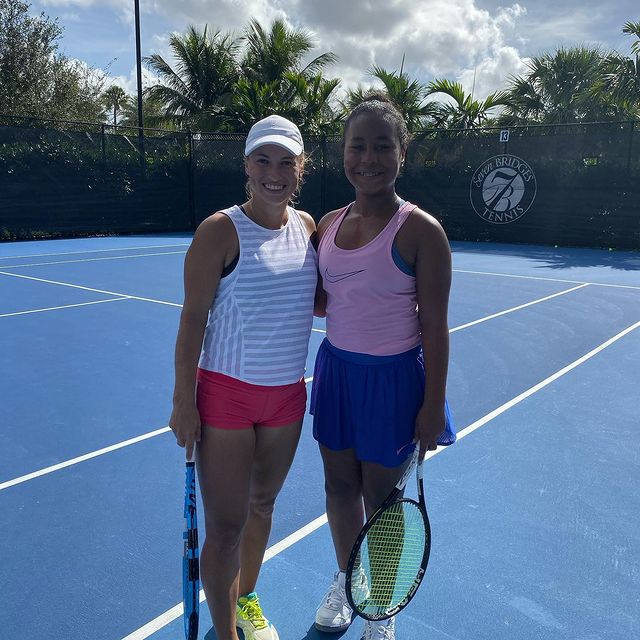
[(562, 185)]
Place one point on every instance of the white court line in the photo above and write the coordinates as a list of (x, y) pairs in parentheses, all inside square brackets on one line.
[(521, 306), (502, 313), (89, 456), (77, 286), (175, 612), (66, 306), (71, 253), (134, 255), (552, 378), (511, 275), (173, 304)]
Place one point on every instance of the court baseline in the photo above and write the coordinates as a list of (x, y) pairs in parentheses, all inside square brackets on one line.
[(511, 275), (45, 264), (70, 253), (64, 306)]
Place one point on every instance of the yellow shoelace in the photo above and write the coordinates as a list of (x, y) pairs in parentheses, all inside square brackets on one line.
[(250, 610)]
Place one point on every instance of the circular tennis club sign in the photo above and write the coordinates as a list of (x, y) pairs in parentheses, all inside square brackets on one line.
[(503, 189)]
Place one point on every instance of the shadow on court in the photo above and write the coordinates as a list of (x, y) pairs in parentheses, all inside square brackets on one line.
[(556, 257)]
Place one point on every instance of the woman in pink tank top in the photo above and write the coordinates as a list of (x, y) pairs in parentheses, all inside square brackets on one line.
[(386, 272)]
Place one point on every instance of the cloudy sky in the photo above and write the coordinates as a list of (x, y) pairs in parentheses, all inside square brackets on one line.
[(439, 38)]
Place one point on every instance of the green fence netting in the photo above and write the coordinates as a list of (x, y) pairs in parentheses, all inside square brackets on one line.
[(558, 184)]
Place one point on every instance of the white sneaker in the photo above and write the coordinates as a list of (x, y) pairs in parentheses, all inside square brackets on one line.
[(359, 587), (334, 614), (380, 630)]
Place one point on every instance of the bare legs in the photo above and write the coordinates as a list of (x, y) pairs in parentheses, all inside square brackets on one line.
[(353, 489), (241, 472)]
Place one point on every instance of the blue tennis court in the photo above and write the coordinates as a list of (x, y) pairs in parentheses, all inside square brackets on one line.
[(534, 510)]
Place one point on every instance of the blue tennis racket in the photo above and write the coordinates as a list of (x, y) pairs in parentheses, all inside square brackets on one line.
[(190, 563)]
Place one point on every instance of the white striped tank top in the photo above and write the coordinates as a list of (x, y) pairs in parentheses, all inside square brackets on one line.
[(260, 320)]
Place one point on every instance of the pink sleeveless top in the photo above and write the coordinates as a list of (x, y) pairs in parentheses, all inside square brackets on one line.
[(371, 303)]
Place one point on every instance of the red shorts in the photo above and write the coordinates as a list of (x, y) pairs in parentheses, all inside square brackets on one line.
[(229, 403)]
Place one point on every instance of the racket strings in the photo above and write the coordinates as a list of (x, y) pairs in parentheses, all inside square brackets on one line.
[(389, 558)]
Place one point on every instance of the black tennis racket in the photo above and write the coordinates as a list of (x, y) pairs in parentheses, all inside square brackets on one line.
[(390, 556), (190, 564)]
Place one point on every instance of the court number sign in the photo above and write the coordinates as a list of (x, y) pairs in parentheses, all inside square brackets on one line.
[(503, 189)]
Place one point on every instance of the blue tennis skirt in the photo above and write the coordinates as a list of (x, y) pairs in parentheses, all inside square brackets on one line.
[(370, 403)]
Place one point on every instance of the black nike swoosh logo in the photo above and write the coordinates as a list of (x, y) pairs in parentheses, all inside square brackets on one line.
[(340, 276)]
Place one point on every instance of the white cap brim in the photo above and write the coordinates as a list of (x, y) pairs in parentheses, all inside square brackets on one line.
[(282, 141)]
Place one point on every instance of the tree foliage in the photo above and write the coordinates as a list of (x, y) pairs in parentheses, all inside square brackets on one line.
[(463, 111), (115, 101), (200, 86), (219, 81), (621, 78), (36, 80), (562, 87)]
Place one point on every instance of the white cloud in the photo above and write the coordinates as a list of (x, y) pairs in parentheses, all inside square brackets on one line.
[(492, 72), (129, 82), (227, 15), (437, 38)]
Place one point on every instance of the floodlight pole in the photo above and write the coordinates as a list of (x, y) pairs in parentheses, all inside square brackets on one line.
[(139, 74)]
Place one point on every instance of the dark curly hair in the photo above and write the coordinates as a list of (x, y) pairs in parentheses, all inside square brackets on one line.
[(380, 105)]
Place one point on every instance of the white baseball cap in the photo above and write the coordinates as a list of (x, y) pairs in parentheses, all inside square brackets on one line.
[(274, 130)]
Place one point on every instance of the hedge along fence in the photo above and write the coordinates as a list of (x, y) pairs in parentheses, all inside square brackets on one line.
[(563, 185)]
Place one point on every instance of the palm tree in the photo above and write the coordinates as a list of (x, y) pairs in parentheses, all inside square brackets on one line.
[(276, 81), (559, 88), (621, 79), (464, 112), (154, 113), (116, 99), (252, 101), (312, 103), (271, 54), (407, 95), (306, 101), (633, 29), (201, 86)]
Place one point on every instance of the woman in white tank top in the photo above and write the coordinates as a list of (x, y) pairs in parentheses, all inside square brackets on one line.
[(250, 277)]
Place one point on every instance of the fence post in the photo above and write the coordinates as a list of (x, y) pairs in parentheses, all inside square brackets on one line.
[(323, 175), (103, 145), (630, 148), (190, 181)]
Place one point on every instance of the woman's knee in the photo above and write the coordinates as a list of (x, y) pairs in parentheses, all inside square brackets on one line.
[(342, 490), (224, 535), (262, 506), (262, 498), (378, 482)]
